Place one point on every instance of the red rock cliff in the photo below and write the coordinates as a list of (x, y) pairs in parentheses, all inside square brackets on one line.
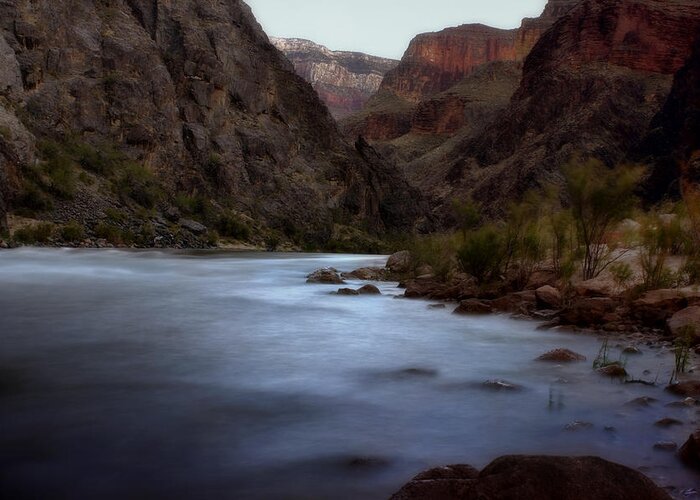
[(435, 62)]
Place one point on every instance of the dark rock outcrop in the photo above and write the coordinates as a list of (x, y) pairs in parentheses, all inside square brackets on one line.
[(674, 139), (343, 80), (544, 478), (193, 92), (592, 84)]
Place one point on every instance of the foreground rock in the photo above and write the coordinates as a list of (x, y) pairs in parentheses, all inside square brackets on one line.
[(562, 356), (400, 262), (658, 306), (327, 276), (687, 388), (685, 324), (690, 451), (533, 477), (367, 274), (548, 297)]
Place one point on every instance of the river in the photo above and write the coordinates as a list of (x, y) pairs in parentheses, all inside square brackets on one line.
[(215, 375)]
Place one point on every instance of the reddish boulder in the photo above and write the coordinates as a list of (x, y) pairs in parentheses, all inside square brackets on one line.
[(400, 262), (686, 388), (657, 306), (588, 311), (518, 302), (473, 306), (548, 297), (685, 324)]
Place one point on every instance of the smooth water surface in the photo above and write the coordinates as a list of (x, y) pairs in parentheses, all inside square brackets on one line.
[(168, 375)]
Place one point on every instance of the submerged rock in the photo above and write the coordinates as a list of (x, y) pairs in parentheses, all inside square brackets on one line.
[(473, 306), (643, 401), (533, 477), (369, 290), (667, 422), (561, 356), (501, 385), (327, 275), (613, 370), (687, 402), (578, 426), (666, 446), (347, 291)]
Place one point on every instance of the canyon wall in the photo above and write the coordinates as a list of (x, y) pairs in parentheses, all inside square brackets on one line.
[(343, 80), (179, 98)]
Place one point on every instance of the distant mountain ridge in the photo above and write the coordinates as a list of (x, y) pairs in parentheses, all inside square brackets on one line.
[(343, 80)]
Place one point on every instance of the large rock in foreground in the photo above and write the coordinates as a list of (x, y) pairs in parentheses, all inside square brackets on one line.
[(541, 478)]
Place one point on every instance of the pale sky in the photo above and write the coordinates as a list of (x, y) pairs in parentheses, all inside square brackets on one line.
[(383, 27)]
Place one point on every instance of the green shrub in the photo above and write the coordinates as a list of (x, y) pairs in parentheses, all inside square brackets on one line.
[(600, 198), (58, 167), (483, 254), (622, 274), (658, 243), (114, 215), (272, 242), (111, 233), (231, 226), (137, 183), (33, 198), (72, 232), (212, 238), (438, 251), (195, 206), (40, 233)]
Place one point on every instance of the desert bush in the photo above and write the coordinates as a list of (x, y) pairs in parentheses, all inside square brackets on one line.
[(439, 251), (232, 226), (622, 275), (114, 234), (72, 232), (137, 183), (467, 213), (40, 233), (658, 242), (483, 254), (600, 198)]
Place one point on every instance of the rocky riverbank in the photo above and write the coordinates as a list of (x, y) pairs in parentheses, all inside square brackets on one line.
[(654, 322)]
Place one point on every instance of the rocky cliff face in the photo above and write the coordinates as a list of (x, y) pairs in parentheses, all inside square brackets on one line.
[(592, 84), (344, 80), (435, 62), (135, 104), (673, 142)]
